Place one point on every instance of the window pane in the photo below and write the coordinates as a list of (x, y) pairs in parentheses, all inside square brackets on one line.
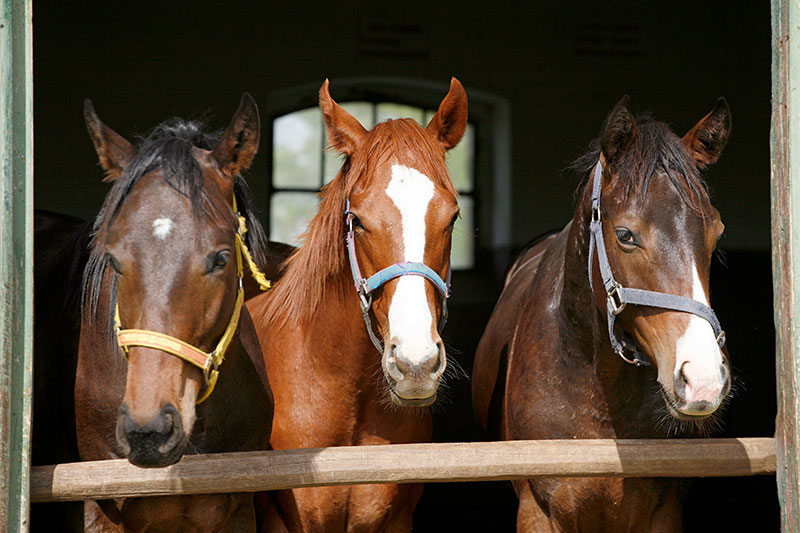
[(362, 111), (387, 110), (460, 161), (289, 215), (297, 150), (462, 254)]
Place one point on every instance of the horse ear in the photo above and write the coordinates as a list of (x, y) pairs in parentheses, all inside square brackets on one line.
[(236, 149), (115, 152), (707, 139), (344, 131), (450, 120), (618, 131)]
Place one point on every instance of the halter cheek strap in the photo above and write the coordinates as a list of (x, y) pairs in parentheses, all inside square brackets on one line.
[(617, 296), (207, 362), (365, 286)]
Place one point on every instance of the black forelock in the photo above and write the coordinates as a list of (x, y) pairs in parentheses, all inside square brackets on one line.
[(654, 148)]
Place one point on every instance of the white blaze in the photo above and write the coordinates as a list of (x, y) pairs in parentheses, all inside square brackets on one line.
[(162, 227), (698, 349), (409, 316)]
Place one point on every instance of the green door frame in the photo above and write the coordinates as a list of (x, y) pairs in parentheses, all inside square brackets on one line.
[(16, 261), (785, 202)]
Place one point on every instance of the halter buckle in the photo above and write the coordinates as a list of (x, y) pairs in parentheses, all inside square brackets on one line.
[(364, 297), (615, 299), (596, 213)]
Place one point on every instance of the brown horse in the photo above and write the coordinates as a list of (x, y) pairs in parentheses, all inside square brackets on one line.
[(625, 282), (163, 306), (358, 365)]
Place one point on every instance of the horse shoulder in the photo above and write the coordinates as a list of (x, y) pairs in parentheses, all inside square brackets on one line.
[(494, 349)]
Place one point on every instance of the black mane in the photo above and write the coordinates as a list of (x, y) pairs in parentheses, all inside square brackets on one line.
[(169, 146), (655, 148)]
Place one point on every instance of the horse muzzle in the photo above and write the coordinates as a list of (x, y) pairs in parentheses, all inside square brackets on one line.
[(413, 373), (158, 443), (699, 394)]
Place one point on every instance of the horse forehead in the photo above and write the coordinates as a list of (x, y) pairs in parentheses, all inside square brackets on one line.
[(153, 208), (409, 189)]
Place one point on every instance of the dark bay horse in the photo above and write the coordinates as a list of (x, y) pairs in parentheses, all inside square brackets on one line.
[(603, 329), (359, 365), (169, 361)]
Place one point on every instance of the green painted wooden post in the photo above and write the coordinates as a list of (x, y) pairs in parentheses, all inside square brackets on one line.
[(16, 261), (785, 142)]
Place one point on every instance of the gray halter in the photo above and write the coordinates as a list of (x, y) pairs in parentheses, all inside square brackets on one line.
[(617, 296)]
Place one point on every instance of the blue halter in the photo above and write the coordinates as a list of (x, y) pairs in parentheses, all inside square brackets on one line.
[(617, 296), (365, 286)]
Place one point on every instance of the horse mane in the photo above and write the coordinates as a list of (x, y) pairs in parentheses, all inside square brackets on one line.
[(654, 148), (315, 266), (169, 146)]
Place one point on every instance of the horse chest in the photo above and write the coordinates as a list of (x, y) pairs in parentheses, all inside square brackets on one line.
[(610, 504)]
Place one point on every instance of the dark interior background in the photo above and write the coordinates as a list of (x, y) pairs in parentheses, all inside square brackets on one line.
[(560, 67)]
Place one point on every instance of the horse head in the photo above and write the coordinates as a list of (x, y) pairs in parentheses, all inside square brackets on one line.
[(167, 234), (660, 231), (399, 206)]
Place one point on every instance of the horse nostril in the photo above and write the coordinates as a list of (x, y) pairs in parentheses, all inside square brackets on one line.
[(403, 365), (680, 383), (155, 443)]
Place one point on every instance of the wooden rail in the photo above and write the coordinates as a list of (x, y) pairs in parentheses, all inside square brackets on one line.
[(406, 463)]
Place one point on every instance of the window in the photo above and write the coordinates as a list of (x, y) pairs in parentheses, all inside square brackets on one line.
[(301, 165)]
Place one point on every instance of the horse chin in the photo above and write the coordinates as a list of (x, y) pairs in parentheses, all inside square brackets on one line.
[(404, 401), (154, 459), (675, 410)]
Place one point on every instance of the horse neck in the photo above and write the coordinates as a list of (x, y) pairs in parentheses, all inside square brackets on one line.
[(577, 305), (589, 343), (347, 353)]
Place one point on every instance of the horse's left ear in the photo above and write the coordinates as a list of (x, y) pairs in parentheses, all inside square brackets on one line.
[(238, 146), (707, 139), (450, 120)]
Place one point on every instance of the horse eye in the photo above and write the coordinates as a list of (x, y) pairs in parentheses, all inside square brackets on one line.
[(219, 260), (455, 219), (625, 236), (113, 262), (357, 222)]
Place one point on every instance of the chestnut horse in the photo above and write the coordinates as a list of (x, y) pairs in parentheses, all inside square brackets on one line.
[(163, 307), (603, 329), (359, 365)]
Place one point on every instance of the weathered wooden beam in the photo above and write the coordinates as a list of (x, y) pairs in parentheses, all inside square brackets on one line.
[(785, 192), (406, 463), (16, 260)]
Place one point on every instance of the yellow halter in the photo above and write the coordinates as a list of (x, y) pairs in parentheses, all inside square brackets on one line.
[(208, 362)]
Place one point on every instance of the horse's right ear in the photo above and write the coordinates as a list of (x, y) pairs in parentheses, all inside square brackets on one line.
[(344, 131), (115, 152), (618, 131)]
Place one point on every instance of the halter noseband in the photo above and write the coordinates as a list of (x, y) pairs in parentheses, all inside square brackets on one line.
[(617, 296), (365, 286), (207, 362)]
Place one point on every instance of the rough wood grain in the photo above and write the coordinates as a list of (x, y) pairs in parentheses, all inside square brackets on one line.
[(785, 155), (406, 463)]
